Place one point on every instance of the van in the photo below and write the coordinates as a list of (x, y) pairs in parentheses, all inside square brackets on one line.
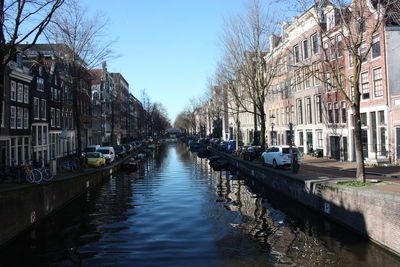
[(108, 152)]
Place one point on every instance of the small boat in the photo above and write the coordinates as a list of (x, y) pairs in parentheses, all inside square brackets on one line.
[(130, 164)]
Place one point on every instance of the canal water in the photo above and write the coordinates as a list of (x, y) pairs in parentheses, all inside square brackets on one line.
[(177, 211)]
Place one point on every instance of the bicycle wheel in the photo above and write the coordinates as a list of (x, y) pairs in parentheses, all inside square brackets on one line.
[(46, 175), (29, 176), (36, 176)]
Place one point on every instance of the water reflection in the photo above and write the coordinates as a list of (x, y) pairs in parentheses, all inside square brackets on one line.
[(176, 211)]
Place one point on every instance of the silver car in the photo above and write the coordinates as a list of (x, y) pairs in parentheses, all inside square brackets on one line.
[(277, 156)]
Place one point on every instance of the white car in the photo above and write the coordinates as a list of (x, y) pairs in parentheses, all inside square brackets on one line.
[(277, 156), (108, 153)]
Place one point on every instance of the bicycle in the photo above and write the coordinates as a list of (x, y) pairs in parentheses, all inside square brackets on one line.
[(32, 175), (71, 165), (46, 173)]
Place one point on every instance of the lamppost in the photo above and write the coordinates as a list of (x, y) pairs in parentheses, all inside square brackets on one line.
[(272, 117)]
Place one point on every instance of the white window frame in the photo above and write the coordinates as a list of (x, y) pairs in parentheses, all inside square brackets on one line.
[(20, 92), (13, 90), (26, 94), (20, 117), (376, 81), (36, 108), (26, 118), (40, 84), (13, 117), (44, 108)]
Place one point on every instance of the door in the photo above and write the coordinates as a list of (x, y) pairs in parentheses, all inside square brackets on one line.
[(335, 147), (309, 142), (345, 149)]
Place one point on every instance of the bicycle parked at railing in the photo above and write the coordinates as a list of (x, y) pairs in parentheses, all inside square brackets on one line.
[(32, 175), (45, 173), (71, 165)]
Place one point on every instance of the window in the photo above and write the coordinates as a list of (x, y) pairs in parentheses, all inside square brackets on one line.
[(309, 110), (52, 117), (13, 91), (328, 82), (381, 117), (331, 20), (3, 108), (326, 50), (363, 118), (376, 46), (315, 47), (13, 117), (351, 88), (364, 86), (298, 81), (344, 112), (44, 136), (305, 49), (378, 90), (26, 94), (26, 118), (318, 104), (307, 78), (363, 51), (44, 109), (296, 54), (40, 84), (361, 25), (339, 46), (301, 138), (317, 77), (20, 117), (336, 105), (330, 113), (319, 139), (36, 108), (20, 93), (57, 118), (299, 111), (351, 59)]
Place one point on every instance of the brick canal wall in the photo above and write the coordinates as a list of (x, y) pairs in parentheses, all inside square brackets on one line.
[(28, 204), (371, 213)]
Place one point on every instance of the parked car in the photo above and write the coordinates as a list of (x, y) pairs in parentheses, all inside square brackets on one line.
[(95, 159), (251, 153), (277, 156), (108, 152), (92, 148), (222, 145), (120, 151)]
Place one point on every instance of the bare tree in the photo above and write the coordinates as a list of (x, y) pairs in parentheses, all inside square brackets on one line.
[(84, 46), (245, 43), (22, 22)]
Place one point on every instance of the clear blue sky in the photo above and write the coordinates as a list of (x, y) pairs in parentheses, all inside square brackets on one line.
[(168, 47)]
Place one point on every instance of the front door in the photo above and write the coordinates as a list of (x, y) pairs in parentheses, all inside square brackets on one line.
[(309, 141), (335, 147)]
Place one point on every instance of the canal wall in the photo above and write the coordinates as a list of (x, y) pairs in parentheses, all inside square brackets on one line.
[(25, 205), (372, 213)]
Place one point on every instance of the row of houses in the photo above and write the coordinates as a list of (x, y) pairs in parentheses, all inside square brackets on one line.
[(303, 101), (40, 107)]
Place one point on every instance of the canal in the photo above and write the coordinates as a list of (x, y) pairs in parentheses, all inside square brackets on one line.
[(176, 211)]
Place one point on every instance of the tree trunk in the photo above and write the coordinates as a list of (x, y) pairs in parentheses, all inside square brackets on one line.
[(255, 139), (263, 130), (360, 175)]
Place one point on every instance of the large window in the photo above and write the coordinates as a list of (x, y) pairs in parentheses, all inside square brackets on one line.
[(13, 91), (330, 113), (52, 117), (40, 84), (20, 117), (336, 106), (43, 108), (57, 118), (318, 106), (320, 139), (315, 47), (296, 54), (363, 51), (26, 94), (26, 118), (309, 110), (20, 93), (364, 86), (36, 107), (299, 111), (328, 82), (305, 49), (376, 46), (378, 90), (344, 112), (13, 117)]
